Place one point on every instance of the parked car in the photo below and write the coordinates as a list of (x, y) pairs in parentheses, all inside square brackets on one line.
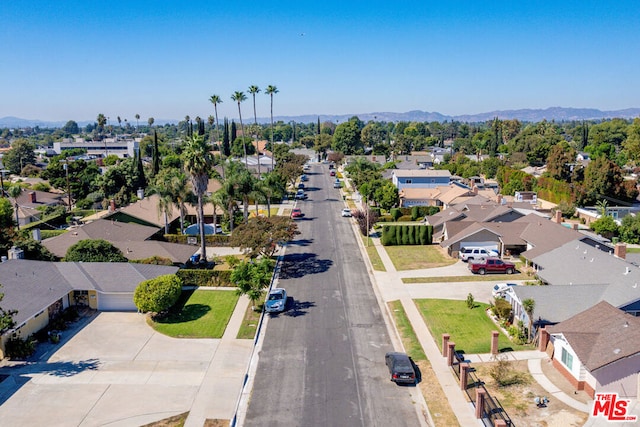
[(296, 213), (476, 252), (300, 195), (304, 177), (337, 184), (499, 289), (301, 185), (306, 167), (332, 172), (491, 265), (400, 368), (276, 301), (346, 212)]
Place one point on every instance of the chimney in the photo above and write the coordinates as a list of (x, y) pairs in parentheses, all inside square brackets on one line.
[(620, 250), (574, 226), (32, 196), (475, 189), (112, 205), (499, 199), (559, 217)]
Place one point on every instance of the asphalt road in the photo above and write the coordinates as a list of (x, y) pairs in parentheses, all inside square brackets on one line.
[(322, 361)]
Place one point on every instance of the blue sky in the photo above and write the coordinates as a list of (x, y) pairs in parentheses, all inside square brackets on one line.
[(65, 60)]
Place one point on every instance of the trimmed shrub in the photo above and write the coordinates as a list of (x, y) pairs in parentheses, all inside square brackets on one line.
[(405, 218), (415, 213), (405, 234), (412, 235), (396, 213), (502, 309), (385, 218), (17, 348), (159, 294)]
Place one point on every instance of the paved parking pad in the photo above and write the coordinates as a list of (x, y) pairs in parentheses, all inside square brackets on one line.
[(117, 371)]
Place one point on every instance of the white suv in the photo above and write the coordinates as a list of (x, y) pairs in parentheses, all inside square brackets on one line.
[(472, 253)]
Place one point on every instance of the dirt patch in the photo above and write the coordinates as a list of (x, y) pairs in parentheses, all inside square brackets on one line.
[(175, 421), (437, 402), (518, 400), (216, 423)]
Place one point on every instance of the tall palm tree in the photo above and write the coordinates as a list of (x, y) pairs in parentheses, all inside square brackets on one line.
[(137, 118), (215, 100), (272, 90), (102, 120), (162, 187), (529, 306), (150, 121), (239, 97), (272, 185), (197, 163), (253, 89), (217, 199)]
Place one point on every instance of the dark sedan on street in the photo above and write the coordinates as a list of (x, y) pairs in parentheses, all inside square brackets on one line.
[(400, 368)]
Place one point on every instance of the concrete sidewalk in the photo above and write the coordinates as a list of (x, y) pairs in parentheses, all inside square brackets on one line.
[(222, 384)]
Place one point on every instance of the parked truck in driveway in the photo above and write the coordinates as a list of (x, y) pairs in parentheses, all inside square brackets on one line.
[(491, 265)]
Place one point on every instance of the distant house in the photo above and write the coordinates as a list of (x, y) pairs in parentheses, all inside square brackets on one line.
[(39, 290), (420, 178), (526, 196), (597, 350), (588, 214), (30, 203)]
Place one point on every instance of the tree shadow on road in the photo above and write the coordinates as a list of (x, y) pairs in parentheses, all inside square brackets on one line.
[(295, 266), (299, 308)]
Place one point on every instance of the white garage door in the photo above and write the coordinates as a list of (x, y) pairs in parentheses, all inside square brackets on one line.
[(116, 302)]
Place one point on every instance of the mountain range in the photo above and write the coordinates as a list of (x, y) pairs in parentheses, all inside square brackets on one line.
[(525, 115)]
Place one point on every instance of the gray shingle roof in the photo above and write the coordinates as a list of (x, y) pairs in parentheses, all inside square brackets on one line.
[(601, 335), (32, 286)]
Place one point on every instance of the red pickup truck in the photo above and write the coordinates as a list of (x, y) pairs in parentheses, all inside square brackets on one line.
[(492, 265)]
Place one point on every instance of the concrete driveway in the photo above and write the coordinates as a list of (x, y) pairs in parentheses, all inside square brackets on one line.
[(116, 371)]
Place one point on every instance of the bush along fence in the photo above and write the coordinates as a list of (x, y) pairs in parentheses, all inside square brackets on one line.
[(487, 408), (211, 239), (419, 234), (213, 278)]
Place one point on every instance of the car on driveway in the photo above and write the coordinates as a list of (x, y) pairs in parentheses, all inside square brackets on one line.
[(500, 289), (400, 368), (471, 253), (276, 301), (296, 213), (346, 212), (491, 265)]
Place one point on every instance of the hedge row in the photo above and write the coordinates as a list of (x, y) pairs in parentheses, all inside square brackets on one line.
[(212, 278), (211, 239), (406, 235)]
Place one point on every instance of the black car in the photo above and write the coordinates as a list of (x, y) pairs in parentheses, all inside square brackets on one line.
[(400, 368)]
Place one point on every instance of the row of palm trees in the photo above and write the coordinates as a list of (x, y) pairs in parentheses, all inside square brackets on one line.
[(239, 97)]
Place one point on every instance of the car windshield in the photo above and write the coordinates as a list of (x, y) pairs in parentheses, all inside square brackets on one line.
[(274, 297)]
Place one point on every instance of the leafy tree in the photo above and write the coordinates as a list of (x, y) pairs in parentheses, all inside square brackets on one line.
[(632, 143), (602, 177), (560, 161), (362, 170), (71, 128), (197, 163), (322, 143), (605, 226), (366, 219), (33, 249), (347, 137), (6, 317), (252, 277), (386, 195), (7, 232), (374, 134), (159, 294), (97, 250), (630, 229), (20, 155), (261, 236), (82, 176)]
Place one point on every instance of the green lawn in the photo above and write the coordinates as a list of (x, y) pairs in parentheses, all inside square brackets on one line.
[(470, 329), (407, 334), (249, 325), (418, 257), (372, 252), (200, 314)]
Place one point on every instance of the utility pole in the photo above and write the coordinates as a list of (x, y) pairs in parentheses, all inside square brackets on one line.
[(66, 168)]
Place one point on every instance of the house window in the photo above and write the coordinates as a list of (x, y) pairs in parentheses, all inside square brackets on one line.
[(567, 358)]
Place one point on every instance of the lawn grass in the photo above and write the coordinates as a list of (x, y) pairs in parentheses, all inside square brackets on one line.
[(372, 252), (633, 250), (198, 314), (470, 329), (472, 278), (417, 257), (437, 402), (249, 325)]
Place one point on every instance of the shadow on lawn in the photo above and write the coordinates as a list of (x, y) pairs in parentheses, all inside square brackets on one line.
[(188, 313)]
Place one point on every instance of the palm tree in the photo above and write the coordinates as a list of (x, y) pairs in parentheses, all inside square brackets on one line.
[(137, 118), (14, 192), (253, 89), (150, 121), (529, 306), (239, 97), (217, 199), (272, 90), (161, 187), (215, 100), (101, 122), (197, 163)]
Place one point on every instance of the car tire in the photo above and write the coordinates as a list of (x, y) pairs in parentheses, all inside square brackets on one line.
[(481, 271), (509, 270)]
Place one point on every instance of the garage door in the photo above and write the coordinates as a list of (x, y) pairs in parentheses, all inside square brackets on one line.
[(116, 302)]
